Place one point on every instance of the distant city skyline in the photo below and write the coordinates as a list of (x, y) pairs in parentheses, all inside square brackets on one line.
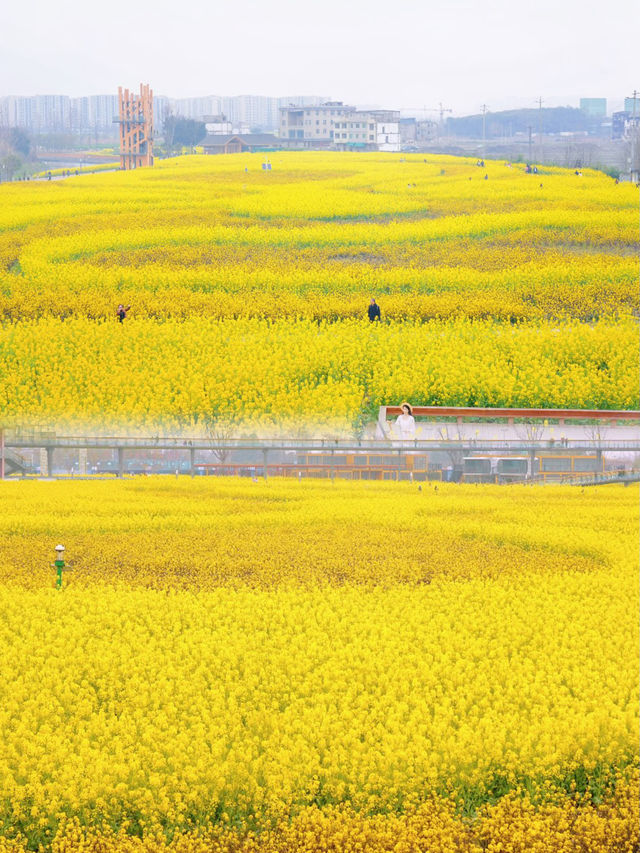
[(411, 54), (238, 107)]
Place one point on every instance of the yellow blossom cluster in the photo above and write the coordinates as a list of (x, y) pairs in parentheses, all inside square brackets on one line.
[(282, 666), (166, 533), (514, 825), (252, 285), (319, 235), (269, 373)]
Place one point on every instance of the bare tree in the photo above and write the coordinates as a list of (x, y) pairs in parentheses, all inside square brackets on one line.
[(597, 432), (456, 456), (220, 429), (531, 431)]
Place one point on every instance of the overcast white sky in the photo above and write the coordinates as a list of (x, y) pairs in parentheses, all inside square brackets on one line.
[(393, 53)]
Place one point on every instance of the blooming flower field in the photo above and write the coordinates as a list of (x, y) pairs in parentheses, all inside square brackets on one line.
[(313, 666), (270, 667), (253, 285)]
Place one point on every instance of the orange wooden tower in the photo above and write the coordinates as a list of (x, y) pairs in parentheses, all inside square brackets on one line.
[(136, 128)]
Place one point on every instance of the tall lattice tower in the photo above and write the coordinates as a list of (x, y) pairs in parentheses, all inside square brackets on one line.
[(136, 128)]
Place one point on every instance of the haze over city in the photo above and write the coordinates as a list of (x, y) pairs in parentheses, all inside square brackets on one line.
[(407, 55)]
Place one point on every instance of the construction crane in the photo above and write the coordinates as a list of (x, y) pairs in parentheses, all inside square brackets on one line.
[(441, 110)]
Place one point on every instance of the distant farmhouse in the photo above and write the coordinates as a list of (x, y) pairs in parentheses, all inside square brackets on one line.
[(332, 125), (239, 143)]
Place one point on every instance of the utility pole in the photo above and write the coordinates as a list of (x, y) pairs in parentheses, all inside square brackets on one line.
[(442, 111), (484, 109), (540, 126), (635, 132)]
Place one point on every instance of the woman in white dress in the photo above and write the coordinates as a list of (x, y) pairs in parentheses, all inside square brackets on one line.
[(406, 424)]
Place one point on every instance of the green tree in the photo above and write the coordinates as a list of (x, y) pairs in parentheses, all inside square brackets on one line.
[(182, 131), (9, 165)]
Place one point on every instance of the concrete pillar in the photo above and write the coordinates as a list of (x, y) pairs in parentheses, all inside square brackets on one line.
[(598, 463), (121, 462), (44, 464), (50, 461), (264, 456), (192, 461), (82, 462)]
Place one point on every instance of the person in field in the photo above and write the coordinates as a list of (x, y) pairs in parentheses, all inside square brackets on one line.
[(406, 423), (122, 312), (374, 311)]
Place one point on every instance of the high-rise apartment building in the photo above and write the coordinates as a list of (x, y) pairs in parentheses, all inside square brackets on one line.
[(259, 111), (59, 113), (194, 108), (96, 113), (632, 106), (594, 107)]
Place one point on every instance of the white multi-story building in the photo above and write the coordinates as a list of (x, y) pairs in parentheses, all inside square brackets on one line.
[(218, 125), (355, 131), (339, 126), (388, 136), (313, 126), (387, 129)]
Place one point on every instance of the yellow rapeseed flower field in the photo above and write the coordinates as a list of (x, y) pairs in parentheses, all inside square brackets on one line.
[(252, 286), (270, 667), (269, 373), (284, 666)]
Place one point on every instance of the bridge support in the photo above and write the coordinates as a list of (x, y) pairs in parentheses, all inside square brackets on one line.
[(264, 456), (121, 462), (82, 462), (192, 461), (49, 458)]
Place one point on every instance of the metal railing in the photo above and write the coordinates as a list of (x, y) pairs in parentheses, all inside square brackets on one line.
[(319, 444)]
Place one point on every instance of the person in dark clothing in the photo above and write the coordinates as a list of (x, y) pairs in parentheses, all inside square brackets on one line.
[(374, 311), (122, 312)]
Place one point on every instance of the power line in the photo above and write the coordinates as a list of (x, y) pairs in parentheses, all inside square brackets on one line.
[(539, 102), (484, 109)]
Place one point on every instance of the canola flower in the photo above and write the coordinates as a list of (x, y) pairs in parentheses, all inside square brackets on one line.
[(289, 374), (252, 286), (312, 666), (317, 236), (470, 678)]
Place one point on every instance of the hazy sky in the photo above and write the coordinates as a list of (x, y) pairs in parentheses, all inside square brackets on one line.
[(395, 53)]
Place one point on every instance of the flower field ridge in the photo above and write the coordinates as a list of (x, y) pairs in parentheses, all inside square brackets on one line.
[(253, 286)]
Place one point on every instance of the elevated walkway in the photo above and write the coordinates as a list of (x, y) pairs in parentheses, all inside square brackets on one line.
[(463, 435)]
